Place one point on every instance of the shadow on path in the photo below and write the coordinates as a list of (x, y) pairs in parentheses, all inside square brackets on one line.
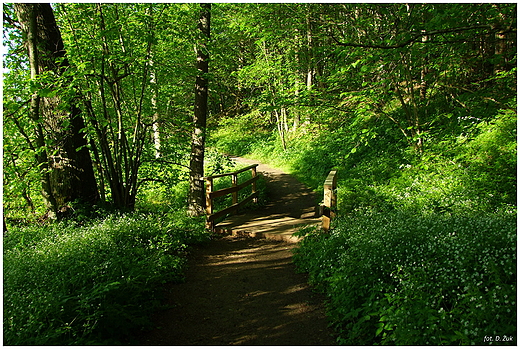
[(242, 291), (245, 291)]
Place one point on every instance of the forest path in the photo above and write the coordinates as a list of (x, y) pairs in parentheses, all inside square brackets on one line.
[(245, 291), (291, 205)]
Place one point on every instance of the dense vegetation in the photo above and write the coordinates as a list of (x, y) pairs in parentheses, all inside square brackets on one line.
[(397, 277), (413, 104), (423, 251), (91, 284)]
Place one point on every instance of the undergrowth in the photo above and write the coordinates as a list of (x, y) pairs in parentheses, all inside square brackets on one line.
[(95, 278), (95, 283), (398, 278)]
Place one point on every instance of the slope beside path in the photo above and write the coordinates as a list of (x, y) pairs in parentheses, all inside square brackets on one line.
[(245, 291)]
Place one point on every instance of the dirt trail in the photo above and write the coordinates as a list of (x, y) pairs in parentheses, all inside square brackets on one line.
[(291, 205), (244, 291)]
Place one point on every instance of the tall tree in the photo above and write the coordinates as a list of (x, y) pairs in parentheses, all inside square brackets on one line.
[(60, 146), (196, 193)]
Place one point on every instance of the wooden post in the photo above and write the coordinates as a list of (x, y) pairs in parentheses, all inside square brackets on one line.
[(329, 200), (253, 186), (234, 195), (234, 180), (209, 203)]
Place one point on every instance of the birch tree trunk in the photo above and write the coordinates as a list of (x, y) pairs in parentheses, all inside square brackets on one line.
[(156, 124)]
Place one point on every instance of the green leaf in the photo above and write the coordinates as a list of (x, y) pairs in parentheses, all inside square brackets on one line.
[(364, 318), (46, 93), (365, 68), (379, 330)]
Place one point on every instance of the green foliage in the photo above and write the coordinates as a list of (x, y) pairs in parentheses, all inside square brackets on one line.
[(163, 186), (423, 136), (491, 158), (238, 135), (94, 284), (398, 278), (217, 163)]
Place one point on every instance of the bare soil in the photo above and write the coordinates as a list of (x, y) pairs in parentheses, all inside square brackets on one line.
[(243, 291)]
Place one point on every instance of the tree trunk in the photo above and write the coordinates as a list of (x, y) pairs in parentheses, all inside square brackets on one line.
[(67, 174), (424, 72), (31, 28), (156, 124), (280, 126), (310, 62), (309, 79), (196, 199)]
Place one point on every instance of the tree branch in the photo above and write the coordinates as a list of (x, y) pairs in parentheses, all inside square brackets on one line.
[(415, 36), (150, 180), (166, 162), (11, 21), (24, 134), (17, 109)]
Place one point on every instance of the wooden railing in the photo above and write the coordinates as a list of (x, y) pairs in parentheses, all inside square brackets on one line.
[(329, 200), (235, 187)]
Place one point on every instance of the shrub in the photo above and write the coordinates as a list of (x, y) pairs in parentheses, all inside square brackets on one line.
[(396, 278), (491, 158)]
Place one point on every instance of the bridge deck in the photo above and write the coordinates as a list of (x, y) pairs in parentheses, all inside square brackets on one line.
[(291, 205)]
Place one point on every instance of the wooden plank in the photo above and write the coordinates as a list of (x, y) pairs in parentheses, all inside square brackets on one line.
[(209, 202), (253, 189), (222, 192), (328, 190), (231, 208), (325, 223), (209, 190), (234, 181)]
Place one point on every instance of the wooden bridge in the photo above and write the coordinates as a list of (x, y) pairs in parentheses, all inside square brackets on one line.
[(291, 205)]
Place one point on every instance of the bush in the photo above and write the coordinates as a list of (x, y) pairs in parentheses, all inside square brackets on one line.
[(491, 159), (168, 185), (92, 284), (396, 278)]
